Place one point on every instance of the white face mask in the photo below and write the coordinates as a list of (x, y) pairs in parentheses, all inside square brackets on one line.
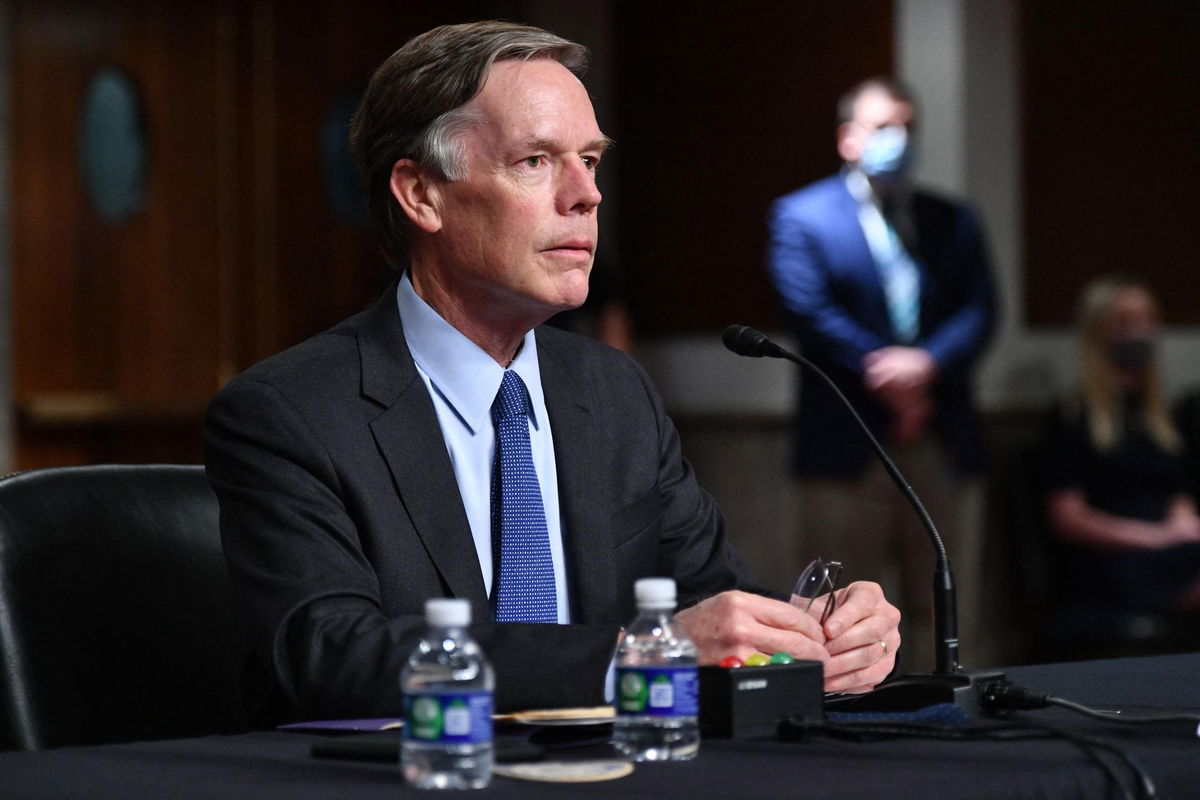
[(887, 153)]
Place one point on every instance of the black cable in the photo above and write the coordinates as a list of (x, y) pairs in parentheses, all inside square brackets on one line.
[(795, 728), (1002, 696), (1119, 716), (1089, 745), (999, 698)]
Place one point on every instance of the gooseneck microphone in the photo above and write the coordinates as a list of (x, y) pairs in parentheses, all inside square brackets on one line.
[(745, 341), (948, 682)]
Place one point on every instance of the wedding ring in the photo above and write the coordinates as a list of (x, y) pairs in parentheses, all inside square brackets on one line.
[(883, 644)]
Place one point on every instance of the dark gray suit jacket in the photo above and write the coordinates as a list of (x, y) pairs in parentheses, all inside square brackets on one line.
[(340, 515)]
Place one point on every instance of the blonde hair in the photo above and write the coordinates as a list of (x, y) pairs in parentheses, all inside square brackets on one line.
[(1100, 379)]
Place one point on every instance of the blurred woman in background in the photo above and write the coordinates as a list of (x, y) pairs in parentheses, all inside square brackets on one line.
[(1120, 502)]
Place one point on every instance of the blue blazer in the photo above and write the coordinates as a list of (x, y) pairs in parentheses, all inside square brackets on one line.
[(833, 299)]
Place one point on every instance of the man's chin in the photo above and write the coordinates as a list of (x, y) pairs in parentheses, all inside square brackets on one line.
[(562, 293), (573, 290)]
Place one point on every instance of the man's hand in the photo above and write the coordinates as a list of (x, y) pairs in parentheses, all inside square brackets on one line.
[(861, 636), (910, 415), (901, 379), (738, 623), (897, 368), (850, 646)]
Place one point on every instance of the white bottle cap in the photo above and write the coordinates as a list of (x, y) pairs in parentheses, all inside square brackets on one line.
[(655, 593), (447, 612)]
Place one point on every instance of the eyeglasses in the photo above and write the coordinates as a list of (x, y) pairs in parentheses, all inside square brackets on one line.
[(818, 578)]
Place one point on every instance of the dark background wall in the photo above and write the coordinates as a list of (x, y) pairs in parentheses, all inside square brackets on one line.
[(1112, 119), (122, 332), (722, 111)]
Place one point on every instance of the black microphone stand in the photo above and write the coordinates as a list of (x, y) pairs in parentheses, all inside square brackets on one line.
[(948, 683)]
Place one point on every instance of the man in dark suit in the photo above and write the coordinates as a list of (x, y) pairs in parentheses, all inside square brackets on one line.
[(359, 473), (888, 290)]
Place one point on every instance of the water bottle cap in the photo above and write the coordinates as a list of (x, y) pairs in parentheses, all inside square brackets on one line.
[(655, 592), (447, 612)]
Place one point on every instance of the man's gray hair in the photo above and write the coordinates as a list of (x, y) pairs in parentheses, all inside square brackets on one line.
[(413, 108)]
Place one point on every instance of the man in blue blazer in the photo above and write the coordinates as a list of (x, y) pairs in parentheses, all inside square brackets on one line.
[(887, 289), (355, 470)]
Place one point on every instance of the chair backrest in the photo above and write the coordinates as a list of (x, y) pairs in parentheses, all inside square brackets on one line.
[(117, 621)]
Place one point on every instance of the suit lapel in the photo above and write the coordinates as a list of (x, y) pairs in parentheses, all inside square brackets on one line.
[(577, 447), (411, 442)]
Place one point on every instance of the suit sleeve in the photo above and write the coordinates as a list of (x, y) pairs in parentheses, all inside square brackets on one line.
[(800, 270), (312, 595), (962, 335), (693, 546)]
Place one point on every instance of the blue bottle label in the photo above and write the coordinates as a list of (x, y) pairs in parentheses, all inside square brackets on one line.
[(448, 718), (658, 691)]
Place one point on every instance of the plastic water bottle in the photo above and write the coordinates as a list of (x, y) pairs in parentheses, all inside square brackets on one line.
[(657, 681), (447, 687)]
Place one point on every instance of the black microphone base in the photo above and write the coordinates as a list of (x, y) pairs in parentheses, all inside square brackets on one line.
[(963, 688)]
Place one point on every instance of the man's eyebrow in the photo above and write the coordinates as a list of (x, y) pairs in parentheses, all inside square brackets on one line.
[(602, 144)]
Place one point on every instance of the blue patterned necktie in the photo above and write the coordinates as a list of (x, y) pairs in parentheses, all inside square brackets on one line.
[(524, 584)]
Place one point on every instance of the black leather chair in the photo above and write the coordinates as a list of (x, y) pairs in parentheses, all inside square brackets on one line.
[(116, 616)]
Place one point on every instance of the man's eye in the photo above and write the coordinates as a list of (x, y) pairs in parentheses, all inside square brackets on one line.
[(591, 162), (532, 161)]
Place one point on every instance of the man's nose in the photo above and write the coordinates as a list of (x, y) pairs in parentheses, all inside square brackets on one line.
[(579, 192)]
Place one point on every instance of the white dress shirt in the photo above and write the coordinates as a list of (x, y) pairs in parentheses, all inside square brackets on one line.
[(898, 270)]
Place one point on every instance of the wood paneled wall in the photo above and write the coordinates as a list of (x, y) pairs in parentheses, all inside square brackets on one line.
[(123, 332), (116, 335)]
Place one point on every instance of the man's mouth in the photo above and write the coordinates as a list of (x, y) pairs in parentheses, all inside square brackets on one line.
[(579, 248)]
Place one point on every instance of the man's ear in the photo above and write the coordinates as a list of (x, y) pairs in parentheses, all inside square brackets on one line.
[(849, 142), (416, 190)]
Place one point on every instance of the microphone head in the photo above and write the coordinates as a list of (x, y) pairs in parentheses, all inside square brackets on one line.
[(745, 341)]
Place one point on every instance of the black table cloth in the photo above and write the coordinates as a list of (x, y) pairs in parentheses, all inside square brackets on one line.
[(279, 764)]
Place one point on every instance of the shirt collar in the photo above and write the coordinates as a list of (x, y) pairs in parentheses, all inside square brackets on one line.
[(460, 371), (859, 186)]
